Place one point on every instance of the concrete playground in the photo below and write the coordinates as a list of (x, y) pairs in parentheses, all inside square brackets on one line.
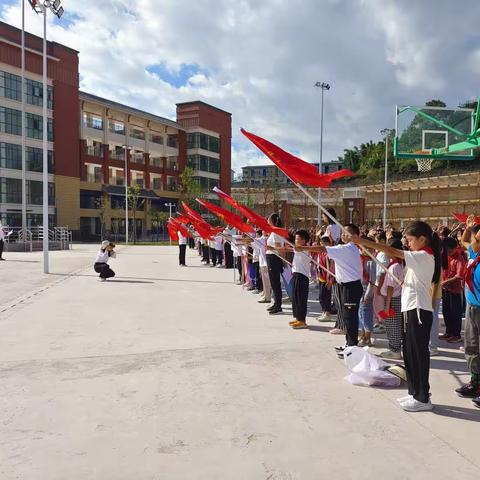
[(177, 373)]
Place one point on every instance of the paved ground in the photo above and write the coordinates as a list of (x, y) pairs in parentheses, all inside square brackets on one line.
[(176, 373)]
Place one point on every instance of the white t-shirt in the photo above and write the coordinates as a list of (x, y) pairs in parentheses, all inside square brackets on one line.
[(235, 247), (334, 232), (398, 270), (2, 233), (384, 260), (301, 263), (103, 257), (181, 239), (348, 265), (416, 292), (218, 242), (274, 238), (262, 257)]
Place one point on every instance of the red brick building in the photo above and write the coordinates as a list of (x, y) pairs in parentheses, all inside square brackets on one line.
[(87, 141)]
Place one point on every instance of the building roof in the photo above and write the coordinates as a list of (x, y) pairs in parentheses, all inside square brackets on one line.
[(195, 102), (133, 111)]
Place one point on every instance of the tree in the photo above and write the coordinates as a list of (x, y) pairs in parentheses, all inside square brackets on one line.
[(134, 203), (190, 187), (159, 220), (101, 206)]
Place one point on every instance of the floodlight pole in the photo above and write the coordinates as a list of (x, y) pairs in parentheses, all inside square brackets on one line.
[(125, 149), (386, 132), (324, 86), (24, 166)]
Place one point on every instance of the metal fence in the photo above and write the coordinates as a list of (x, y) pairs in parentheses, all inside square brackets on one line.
[(30, 239)]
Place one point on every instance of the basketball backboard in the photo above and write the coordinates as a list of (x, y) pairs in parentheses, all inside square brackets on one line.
[(429, 132)]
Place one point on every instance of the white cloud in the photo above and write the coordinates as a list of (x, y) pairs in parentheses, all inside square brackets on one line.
[(259, 60)]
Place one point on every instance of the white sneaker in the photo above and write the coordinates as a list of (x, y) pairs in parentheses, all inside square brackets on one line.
[(391, 355), (102, 279), (324, 317), (404, 399), (413, 405), (434, 351)]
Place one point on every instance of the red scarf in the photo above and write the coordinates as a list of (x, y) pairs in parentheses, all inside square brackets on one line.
[(427, 250)]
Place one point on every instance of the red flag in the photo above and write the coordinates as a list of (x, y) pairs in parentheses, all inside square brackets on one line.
[(295, 168), (253, 217), (203, 228), (172, 232), (180, 228), (462, 217), (227, 217), (192, 213)]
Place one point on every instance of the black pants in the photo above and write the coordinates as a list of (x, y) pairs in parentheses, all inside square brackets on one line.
[(452, 312), (1, 248), (416, 354), (228, 255), (104, 270), (219, 256), (213, 256), (300, 296), (206, 253), (238, 262), (191, 242), (258, 277), (325, 297), (181, 254), (275, 269), (351, 294)]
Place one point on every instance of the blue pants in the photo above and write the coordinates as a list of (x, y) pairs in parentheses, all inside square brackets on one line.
[(365, 317)]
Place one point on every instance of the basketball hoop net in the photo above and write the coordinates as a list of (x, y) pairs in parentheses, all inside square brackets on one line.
[(424, 164)]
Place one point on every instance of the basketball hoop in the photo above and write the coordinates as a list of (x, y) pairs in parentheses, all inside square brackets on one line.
[(424, 164)]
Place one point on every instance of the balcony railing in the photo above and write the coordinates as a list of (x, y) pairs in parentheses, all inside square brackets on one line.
[(156, 161), (137, 158), (157, 184), (95, 151), (117, 155), (94, 178)]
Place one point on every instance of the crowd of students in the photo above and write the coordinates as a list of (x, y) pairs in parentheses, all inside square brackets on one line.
[(370, 281)]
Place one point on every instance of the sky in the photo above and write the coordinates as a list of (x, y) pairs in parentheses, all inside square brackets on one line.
[(260, 59)]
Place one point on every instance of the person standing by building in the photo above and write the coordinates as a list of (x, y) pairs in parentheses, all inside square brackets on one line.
[(101, 261), (182, 247), (2, 242), (262, 263)]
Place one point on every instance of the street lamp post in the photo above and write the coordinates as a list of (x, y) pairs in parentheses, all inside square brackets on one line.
[(125, 149), (324, 86), (24, 166), (170, 206), (386, 132), (42, 7)]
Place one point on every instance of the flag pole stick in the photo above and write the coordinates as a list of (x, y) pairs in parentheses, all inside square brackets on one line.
[(331, 217)]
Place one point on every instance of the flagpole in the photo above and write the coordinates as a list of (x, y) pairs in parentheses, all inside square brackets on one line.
[(327, 213)]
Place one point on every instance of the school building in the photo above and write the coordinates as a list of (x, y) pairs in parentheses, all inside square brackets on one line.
[(95, 146)]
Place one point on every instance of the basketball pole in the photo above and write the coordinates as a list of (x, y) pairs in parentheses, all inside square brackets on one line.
[(386, 132)]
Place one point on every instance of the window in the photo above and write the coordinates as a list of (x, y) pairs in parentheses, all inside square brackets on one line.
[(35, 94), (203, 141), (172, 163), (10, 190), (156, 161), (116, 127), (172, 141), (10, 86), (95, 149), (156, 182), (90, 199), (10, 121), (172, 184), (34, 160), (136, 156), (137, 133), (117, 202), (116, 176), (94, 173), (204, 163), (35, 127), (35, 193), (90, 228), (91, 120), (10, 156), (116, 152), (156, 138), (137, 178)]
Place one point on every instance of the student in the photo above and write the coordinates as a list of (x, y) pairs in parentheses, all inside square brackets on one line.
[(365, 312), (228, 248), (101, 261), (275, 264), (182, 248), (392, 314), (452, 290), (332, 231), (471, 241), (212, 251), (219, 249), (2, 241), (300, 280), (262, 263), (348, 271), (378, 299), (256, 246), (325, 282), (422, 267)]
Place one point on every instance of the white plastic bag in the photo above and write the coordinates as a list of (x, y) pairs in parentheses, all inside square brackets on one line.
[(367, 369)]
